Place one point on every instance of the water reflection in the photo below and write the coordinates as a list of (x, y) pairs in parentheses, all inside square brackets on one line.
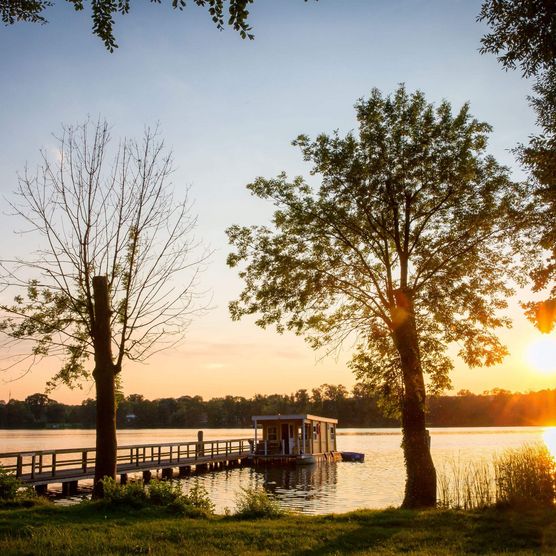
[(549, 438), (321, 488)]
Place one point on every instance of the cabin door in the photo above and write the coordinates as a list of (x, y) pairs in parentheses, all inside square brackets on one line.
[(286, 438)]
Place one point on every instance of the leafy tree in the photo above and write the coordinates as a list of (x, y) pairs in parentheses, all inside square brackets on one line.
[(37, 404), (523, 34), (404, 244), (115, 276), (103, 12)]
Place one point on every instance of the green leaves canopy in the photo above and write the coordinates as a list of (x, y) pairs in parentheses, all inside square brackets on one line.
[(103, 12), (411, 203)]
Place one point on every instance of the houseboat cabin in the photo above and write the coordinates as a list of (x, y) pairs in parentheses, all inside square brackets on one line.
[(294, 439)]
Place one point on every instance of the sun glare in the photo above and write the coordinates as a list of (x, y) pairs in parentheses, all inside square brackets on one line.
[(541, 355)]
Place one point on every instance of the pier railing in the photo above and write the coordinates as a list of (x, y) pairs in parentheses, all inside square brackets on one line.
[(32, 466)]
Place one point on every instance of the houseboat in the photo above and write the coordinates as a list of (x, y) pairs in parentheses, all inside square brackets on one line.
[(299, 439)]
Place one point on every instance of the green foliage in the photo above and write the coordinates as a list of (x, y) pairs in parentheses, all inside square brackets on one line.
[(526, 476), (198, 498), (132, 494), (410, 204), (103, 12), (167, 494), (255, 503), (9, 485), (523, 33)]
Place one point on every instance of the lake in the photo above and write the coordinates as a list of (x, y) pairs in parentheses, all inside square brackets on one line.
[(317, 489)]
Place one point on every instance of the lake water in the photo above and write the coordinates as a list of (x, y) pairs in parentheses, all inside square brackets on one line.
[(317, 489)]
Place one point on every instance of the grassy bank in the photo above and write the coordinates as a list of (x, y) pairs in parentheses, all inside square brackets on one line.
[(90, 529)]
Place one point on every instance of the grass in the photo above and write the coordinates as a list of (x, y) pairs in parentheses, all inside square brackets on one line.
[(93, 529)]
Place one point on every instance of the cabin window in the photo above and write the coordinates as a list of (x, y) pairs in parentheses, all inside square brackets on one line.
[(332, 431), (271, 433), (315, 432)]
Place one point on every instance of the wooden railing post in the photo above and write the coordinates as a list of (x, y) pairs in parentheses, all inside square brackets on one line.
[(33, 458), (54, 464), (84, 461), (19, 467)]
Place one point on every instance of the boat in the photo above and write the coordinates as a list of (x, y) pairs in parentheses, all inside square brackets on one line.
[(353, 456)]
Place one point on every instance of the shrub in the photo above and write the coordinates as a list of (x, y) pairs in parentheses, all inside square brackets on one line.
[(526, 476), (167, 494), (197, 497), (163, 493), (255, 503), (131, 494), (9, 485)]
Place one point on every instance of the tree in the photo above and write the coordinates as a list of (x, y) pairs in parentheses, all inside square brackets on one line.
[(115, 277), (523, 34), (103, 12), (403, 244)]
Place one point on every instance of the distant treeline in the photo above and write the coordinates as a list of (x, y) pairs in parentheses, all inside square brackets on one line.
[(353, 409)]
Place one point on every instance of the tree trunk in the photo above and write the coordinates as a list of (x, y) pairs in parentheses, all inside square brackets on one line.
[(104, 375), (420, 486)]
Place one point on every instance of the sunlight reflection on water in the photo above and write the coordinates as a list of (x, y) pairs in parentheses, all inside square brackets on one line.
[(317, 489), (549, 437)]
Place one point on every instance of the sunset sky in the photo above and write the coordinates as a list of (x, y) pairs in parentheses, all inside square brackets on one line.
[(229, 108)]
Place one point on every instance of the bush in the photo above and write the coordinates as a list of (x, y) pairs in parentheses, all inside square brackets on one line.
[(167, 494), (197, 497), (9, 485), (132, 494), (256, 503), (163, 493), (526, 476)]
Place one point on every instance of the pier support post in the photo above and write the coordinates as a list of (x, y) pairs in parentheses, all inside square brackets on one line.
[(69, 488), (41, 490), (147, 477), (167, 473), (200, 448), (185, 470), (123, 479)]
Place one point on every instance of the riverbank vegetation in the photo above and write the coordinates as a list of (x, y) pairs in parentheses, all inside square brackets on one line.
[(357, 408), (517, 477)]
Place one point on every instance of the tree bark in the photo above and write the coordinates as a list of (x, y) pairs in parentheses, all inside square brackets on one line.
[(104, 375), (420, 486)]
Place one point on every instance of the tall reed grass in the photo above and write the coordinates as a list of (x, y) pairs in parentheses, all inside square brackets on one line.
[(516, 477), (466, 486), (526, 476)]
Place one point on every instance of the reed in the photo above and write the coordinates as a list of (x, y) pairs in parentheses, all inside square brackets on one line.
[(466, 486), (526, 476), (516, 477)]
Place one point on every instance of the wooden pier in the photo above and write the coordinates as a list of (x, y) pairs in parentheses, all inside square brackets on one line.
[(68, 466)]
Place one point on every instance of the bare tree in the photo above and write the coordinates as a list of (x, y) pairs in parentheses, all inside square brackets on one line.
[(115, 276)]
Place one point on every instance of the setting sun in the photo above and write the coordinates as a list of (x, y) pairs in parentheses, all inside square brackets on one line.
[(541, 354)]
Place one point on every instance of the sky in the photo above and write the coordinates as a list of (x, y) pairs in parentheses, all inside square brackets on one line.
[(229, 109)]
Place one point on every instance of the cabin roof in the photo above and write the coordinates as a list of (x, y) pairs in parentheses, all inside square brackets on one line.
[(294, 417)]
